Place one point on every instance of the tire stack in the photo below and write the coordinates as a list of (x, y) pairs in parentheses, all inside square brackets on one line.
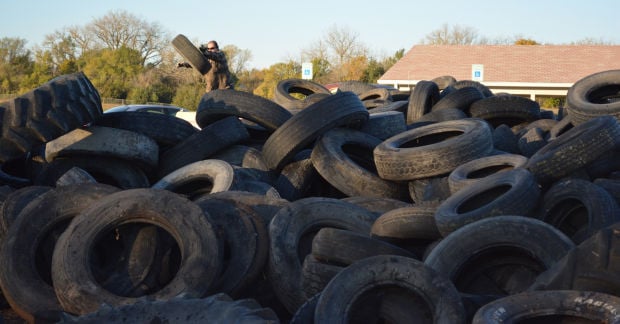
[(445, 204)]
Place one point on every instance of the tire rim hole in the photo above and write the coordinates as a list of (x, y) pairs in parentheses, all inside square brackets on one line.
[(134, 259)]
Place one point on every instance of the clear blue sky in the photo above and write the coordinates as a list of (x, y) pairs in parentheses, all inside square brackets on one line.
[(276, 30)]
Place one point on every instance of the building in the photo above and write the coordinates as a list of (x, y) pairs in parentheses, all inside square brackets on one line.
[(530, 70)]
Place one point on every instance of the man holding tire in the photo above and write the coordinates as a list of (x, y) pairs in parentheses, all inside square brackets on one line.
[(218, 76)]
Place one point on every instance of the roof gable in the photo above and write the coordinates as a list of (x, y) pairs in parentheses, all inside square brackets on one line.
[(506, 63)]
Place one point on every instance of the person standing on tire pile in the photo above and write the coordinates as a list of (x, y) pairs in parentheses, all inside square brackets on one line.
[(218, 76)]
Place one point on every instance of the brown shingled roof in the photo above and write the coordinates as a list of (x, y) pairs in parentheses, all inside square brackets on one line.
[(506, 63)]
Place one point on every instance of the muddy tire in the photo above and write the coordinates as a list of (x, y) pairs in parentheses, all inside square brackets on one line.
[(285, 88)]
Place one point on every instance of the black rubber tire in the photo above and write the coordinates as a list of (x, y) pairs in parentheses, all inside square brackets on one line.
[(164, 129), (14, 203), (579, 208), (199, 247), (500, 255), (221, 103), (198, 178), (440, 115), (200, 146), (297, 133), (294, 226), (414, 222), (191, 54), (460, 99), (115, 172), (591, 266), (504, 139), (531, 141), (384, 125), (297, 178), (58, 106), (558, 306), (475, 84), (265, 206), (513, 192), (423, 97), (344, 247), (378, 206), (344, 158), (218, 308), (593, 96), (316, 274), (433, 149), (356, 87), (474, 170), (431, 190), (612, 186), (507, 109), (247, 249), (377, 95), (574, 149), (26, 281), (101, 141), (431, 297), (444, 81), (285, 88)]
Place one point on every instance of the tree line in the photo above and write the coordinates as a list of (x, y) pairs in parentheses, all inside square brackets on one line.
[(126, 57)]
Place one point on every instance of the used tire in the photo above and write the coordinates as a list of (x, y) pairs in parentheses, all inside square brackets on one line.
[(593, 96), (426, 296), (344, 158), (557, 306), (341, 109), (513, 192), (26, 281), (74, 284), (190, 53), (433, 149)]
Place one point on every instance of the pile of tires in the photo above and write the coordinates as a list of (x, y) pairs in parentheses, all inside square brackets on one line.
[(447, 204)]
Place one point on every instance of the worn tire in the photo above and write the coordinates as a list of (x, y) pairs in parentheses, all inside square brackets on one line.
[(26, 281), (579, 208), (593, 96), (513, 192), (55, 108), (341, 109), (344, 158), (574, 149), (474, 170), (433, 149), (498, 256), (429, 296), (285, 88), (218, 104), (191, 54), (199, 248), (557, 305), (301, 219)]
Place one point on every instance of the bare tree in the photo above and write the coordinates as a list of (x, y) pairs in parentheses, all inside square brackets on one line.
[(121, 29), (237, 58), (452, 35), (344, 44)]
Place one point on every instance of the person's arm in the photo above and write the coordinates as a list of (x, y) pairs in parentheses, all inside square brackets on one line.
[(215, 56)]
